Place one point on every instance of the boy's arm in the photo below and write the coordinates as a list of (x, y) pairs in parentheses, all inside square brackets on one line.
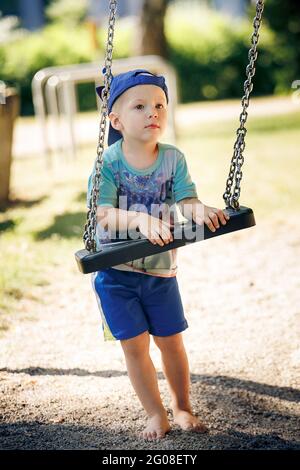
[(186, 206), (115, 219), (112, 218), (194, 209)]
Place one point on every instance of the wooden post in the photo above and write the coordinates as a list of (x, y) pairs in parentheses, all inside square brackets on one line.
[(9, 110)]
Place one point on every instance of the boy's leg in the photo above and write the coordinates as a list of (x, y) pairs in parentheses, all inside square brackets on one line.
[(176, 370), (143, 377)]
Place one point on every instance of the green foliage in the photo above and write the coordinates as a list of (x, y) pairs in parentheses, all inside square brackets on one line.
[(124, 37), (210, 55), (54, 45), (283, 17), (67, 11)]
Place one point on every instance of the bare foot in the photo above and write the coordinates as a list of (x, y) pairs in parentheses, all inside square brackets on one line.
[(157, 427), (188, 422)]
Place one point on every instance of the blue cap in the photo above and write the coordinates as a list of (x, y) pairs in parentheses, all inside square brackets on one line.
[(122, 82)]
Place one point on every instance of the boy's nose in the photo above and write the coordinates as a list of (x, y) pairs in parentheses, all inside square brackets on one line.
[(152, 112)]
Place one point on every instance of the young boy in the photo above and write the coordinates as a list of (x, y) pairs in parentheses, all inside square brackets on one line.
[(141, 179)]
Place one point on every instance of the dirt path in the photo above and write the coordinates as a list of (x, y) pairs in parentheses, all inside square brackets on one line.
[(62, 387)]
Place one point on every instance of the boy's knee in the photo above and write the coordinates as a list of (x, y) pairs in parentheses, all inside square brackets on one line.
[(137, 345), (169, 343)]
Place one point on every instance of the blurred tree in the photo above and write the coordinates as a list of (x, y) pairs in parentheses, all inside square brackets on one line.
[(283, 17), (152, 38)]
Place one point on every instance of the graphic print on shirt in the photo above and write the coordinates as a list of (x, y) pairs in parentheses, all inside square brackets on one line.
[(137, 192)]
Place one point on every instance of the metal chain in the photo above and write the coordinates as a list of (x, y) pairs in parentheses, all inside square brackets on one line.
[(230, 197), (89, 236)]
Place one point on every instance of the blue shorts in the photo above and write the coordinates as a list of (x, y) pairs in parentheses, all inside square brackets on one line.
[(131, 303)]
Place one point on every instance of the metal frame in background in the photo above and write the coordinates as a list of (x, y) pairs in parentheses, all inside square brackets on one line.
[(54, 97)]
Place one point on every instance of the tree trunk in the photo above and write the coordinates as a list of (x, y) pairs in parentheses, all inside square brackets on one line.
[(152, 38), (9, 110)]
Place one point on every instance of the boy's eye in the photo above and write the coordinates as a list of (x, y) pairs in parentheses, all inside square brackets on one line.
[(141, 106)]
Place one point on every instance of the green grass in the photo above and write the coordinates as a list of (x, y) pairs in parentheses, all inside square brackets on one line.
[(271, 169), (43, 227), (40, 230)]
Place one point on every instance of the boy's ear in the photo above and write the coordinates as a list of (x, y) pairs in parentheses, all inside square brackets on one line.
[(115, 121)]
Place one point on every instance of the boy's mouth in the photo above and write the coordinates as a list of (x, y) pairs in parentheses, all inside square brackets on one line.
[(153, 126)]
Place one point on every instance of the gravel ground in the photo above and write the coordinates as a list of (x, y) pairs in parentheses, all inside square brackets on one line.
[(62, 387)]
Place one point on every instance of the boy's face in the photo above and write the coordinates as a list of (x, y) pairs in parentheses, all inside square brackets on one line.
[(140, 113)]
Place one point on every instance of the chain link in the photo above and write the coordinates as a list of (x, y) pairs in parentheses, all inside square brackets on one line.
[(89, 236), (230, 197)]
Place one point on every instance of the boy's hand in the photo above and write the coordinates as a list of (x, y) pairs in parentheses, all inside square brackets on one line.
[(211, 216), (156, 230)]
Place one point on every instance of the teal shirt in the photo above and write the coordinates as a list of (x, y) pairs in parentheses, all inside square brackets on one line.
[(155, 190)]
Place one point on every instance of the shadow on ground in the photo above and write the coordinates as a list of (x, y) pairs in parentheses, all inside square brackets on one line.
[(81, 197), (283, 393), (42, 436), (240, 414), (68, 225), (22, 203), (6, 225)]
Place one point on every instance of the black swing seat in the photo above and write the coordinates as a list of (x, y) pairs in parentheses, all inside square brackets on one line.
[(125, 250)]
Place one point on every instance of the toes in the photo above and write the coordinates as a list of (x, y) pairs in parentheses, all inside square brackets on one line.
[(151, 436), (194, 427), (200, 428), (188, 428)]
